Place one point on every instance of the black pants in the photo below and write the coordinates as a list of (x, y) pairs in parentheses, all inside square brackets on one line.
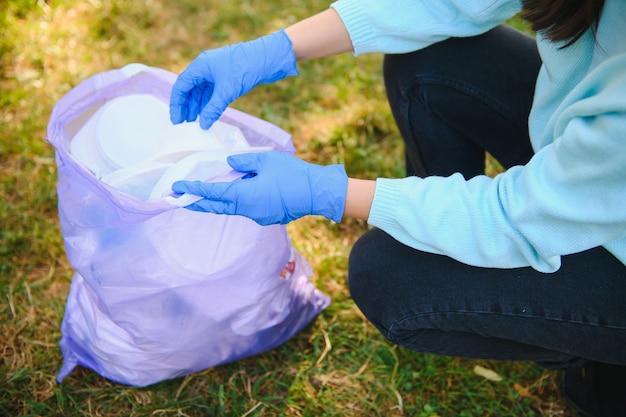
[(452, 102)]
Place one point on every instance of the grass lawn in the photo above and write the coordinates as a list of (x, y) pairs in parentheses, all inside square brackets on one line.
[(337, 112)]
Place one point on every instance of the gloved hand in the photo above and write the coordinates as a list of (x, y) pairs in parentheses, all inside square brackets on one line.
[(217, 77), (278, 188)]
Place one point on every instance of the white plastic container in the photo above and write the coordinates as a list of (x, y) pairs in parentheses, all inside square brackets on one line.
[(85, 149), (207, 166), (200, 166), (129, 143), (130, 129), (137, 180)]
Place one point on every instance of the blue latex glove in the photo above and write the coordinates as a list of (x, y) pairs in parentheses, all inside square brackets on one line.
[(278, 188), (217, 77)]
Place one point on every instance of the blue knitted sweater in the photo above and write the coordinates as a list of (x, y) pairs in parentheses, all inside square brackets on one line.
[(570, 197)]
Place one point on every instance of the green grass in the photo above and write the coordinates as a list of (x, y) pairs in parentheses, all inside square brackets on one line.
[(337, 112)]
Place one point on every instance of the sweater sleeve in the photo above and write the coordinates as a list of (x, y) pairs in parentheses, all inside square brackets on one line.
[(400, 26), (568, 198)]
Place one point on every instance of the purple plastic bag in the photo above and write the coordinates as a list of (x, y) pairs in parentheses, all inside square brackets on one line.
[(160, 291)]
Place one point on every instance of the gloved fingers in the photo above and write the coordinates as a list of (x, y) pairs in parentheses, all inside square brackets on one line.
[(245, 162), (190, 92), (178, 106), (212, 110), (209, 206), (219, 207), (211, 191), (185, 187), (199, 96), (193, 75)]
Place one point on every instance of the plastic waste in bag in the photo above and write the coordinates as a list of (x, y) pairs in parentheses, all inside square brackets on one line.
[(161, 291)]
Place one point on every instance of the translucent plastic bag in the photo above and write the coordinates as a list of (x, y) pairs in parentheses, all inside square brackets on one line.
[(161, 291)]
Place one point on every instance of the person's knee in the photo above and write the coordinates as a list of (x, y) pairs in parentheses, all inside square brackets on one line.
[(370, 268), (361, 266), (366, 277)]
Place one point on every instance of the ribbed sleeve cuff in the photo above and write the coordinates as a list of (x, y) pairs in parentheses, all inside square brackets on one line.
[(385, 203), (357, 24)]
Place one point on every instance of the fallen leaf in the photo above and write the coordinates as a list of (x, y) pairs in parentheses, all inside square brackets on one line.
[(487, 373), (522, 391)]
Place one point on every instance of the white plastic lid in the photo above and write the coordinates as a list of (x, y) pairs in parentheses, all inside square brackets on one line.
[(130, 128), (84, 148), (208, 166), (199, 166), (190, 135), (137, 180)]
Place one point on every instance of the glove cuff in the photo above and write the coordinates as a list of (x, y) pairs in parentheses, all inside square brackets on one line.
[(329, 192), (279, 57)]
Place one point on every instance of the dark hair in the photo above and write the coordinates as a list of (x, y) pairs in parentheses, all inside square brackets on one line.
[(562, 20)]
